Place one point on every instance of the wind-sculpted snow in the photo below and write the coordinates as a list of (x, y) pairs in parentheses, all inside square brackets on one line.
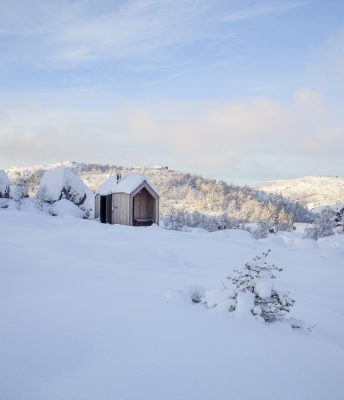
[(93, 311)]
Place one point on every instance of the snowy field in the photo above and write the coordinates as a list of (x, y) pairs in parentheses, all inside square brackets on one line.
[(93, 312)]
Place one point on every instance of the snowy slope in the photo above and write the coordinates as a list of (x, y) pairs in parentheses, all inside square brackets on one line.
[(314, 191), (91, 311), (190, 193)]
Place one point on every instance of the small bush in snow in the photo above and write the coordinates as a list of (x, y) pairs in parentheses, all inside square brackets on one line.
[(284, 226), (263, 230), (323, 225), (254, 290), (178, 218)]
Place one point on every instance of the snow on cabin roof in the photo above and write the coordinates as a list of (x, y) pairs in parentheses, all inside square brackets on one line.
[(125, 185)]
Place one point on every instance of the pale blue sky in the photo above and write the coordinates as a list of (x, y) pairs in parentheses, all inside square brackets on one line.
[(240, 90)]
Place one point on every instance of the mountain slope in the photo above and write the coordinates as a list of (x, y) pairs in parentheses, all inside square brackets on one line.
[(186, 192), (313, 191)]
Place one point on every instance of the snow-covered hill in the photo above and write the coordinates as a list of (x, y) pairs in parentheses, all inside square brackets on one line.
[(92, 311), (313, 191), (186, 192)]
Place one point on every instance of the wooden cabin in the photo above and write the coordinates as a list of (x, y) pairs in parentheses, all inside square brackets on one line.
[(131, 200)]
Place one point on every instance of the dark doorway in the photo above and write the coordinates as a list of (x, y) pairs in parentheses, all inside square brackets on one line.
[(102, 210), (109, 209)]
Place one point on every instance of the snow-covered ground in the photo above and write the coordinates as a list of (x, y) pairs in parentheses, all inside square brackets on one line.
[(93, 311), (313, 191)]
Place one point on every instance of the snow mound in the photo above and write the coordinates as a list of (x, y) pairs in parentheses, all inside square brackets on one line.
[(193, 293), (4, 184), (305, 243), (263, 287), (64, 208), (245, 303), (61, 183), (273, 240), (215, 297)]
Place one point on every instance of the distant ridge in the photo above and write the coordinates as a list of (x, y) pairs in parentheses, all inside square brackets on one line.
[(313, 191)]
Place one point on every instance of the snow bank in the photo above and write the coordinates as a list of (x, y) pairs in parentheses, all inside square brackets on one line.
[(215, 297), (4, 184), (82, 303), (61, 183), (65, 208)]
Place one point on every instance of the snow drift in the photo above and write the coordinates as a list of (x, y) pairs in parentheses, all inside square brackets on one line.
[(83, 315)]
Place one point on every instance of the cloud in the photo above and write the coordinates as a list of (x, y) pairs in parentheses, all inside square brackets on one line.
[(201, 137), (69, 33)]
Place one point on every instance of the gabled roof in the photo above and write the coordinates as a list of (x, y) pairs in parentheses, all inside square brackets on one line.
[(127, 185)]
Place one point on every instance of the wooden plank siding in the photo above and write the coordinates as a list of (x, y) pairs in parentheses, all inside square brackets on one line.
[(97, 206), (120, 209)]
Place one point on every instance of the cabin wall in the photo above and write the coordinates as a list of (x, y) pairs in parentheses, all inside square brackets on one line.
[(97, 206), (120, 209)]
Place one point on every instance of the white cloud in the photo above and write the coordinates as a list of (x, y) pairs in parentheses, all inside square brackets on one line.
[(203, 137), (68, 33)]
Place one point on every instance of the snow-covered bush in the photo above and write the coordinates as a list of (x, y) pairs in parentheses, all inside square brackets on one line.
[(178, 218), (339, 220), (20, 193), (285, 227), (263, 229), (323, 225), (254, 290), (4, 185), (60, 183), (42, 198)]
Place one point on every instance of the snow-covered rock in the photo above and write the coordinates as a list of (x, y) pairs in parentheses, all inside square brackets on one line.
[(4, 185), (61, 183)]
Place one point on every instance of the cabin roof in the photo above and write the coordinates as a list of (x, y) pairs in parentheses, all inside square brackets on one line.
[(127, 184)]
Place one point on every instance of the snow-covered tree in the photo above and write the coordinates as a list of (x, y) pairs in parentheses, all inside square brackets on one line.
[(42, 198), (339, 220), (263, 229), (4, 185), (20, 193), (323, 225), (254, 290)]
